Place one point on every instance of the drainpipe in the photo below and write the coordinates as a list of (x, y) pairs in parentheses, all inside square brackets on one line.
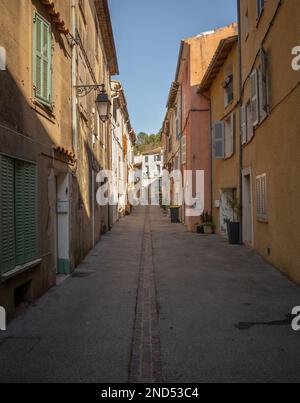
[(240, 106), (74, 79), (93, 206)]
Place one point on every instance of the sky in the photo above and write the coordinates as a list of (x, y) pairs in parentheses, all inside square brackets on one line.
[(148, 35)]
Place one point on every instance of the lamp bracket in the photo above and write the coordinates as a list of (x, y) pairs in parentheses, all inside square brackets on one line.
[(84, 90)]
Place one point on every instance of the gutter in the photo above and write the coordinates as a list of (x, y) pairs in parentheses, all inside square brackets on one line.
[(240, 106), (74, 80)]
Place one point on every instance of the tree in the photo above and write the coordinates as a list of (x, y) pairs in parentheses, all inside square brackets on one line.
[(146, 142)]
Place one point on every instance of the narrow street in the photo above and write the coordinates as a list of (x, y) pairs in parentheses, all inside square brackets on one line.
[(155, 303)]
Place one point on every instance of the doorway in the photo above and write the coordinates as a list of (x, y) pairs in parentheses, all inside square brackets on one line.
[(226, 212), (247, 209), (62, 233)]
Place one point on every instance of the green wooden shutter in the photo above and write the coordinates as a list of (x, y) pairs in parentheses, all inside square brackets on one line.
[(26, 212), (7, 225), (42, 71)]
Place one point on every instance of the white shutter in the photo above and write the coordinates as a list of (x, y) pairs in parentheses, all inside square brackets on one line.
[(183, 149), (254, 97), (249, 119), (261, 197), (219, 140), (232, 133), (243, 125)]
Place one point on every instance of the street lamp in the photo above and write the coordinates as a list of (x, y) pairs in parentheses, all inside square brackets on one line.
[(102, 101), (103, 105)]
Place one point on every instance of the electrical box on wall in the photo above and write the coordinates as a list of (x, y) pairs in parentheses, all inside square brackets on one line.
[(2, 58), (62, 207)]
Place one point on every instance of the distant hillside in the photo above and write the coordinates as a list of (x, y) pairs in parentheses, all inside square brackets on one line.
[(147, 142)]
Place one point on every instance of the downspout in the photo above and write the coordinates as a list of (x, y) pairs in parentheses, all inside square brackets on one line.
[(74, 79), (93, 206), (240, 106)]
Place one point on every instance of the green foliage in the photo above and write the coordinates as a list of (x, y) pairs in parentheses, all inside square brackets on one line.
[(206, 218), (236, 209), (146, 142)]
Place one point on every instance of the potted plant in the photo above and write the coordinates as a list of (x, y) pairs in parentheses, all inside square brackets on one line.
[(207, 221), (233, 226)]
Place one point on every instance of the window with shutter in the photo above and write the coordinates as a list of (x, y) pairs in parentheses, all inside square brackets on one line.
[(219, 140), (254, 97), (18, 213), (261, 197), (183, 142), (260, 5), (250, 131), (229, 135), (42, 69), (243, 125), (7, 221), (263, 85), (25, 212)]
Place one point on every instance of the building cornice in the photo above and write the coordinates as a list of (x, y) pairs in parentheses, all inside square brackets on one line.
[(103, 14)]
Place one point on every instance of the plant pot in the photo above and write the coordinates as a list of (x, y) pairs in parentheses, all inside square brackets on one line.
[(174, 214), (233, 230), (200, 229), (208, 228)]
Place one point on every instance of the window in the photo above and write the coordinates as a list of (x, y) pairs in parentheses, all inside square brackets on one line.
[(96, 39), (177, 129), (263, 85), (228, 84), (243, 125), (259, 90), (254, 97), (18, 207), (219, 140), (246, 123), (42, 69), (260, 5), (229, 135), (146, 159), (183, 148), (157, 158), (158, 170), (261, 197), (249, 121)]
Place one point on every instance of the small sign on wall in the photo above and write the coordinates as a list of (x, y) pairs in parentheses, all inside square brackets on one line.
[(2, 59), (62, 207)]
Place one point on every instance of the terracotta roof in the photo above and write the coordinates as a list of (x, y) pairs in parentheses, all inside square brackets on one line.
[(217, 62), (172, 94), (107, 35)]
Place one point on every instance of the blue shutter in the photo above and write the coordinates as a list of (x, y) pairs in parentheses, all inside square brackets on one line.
[(7, 224)]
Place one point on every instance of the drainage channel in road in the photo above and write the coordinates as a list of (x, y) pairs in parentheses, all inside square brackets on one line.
[(145, 365)]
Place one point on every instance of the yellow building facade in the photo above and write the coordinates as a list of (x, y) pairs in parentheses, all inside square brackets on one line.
[(271, 146), (260, 169)]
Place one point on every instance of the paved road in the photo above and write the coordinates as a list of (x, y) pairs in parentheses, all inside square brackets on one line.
[(219, 314)]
